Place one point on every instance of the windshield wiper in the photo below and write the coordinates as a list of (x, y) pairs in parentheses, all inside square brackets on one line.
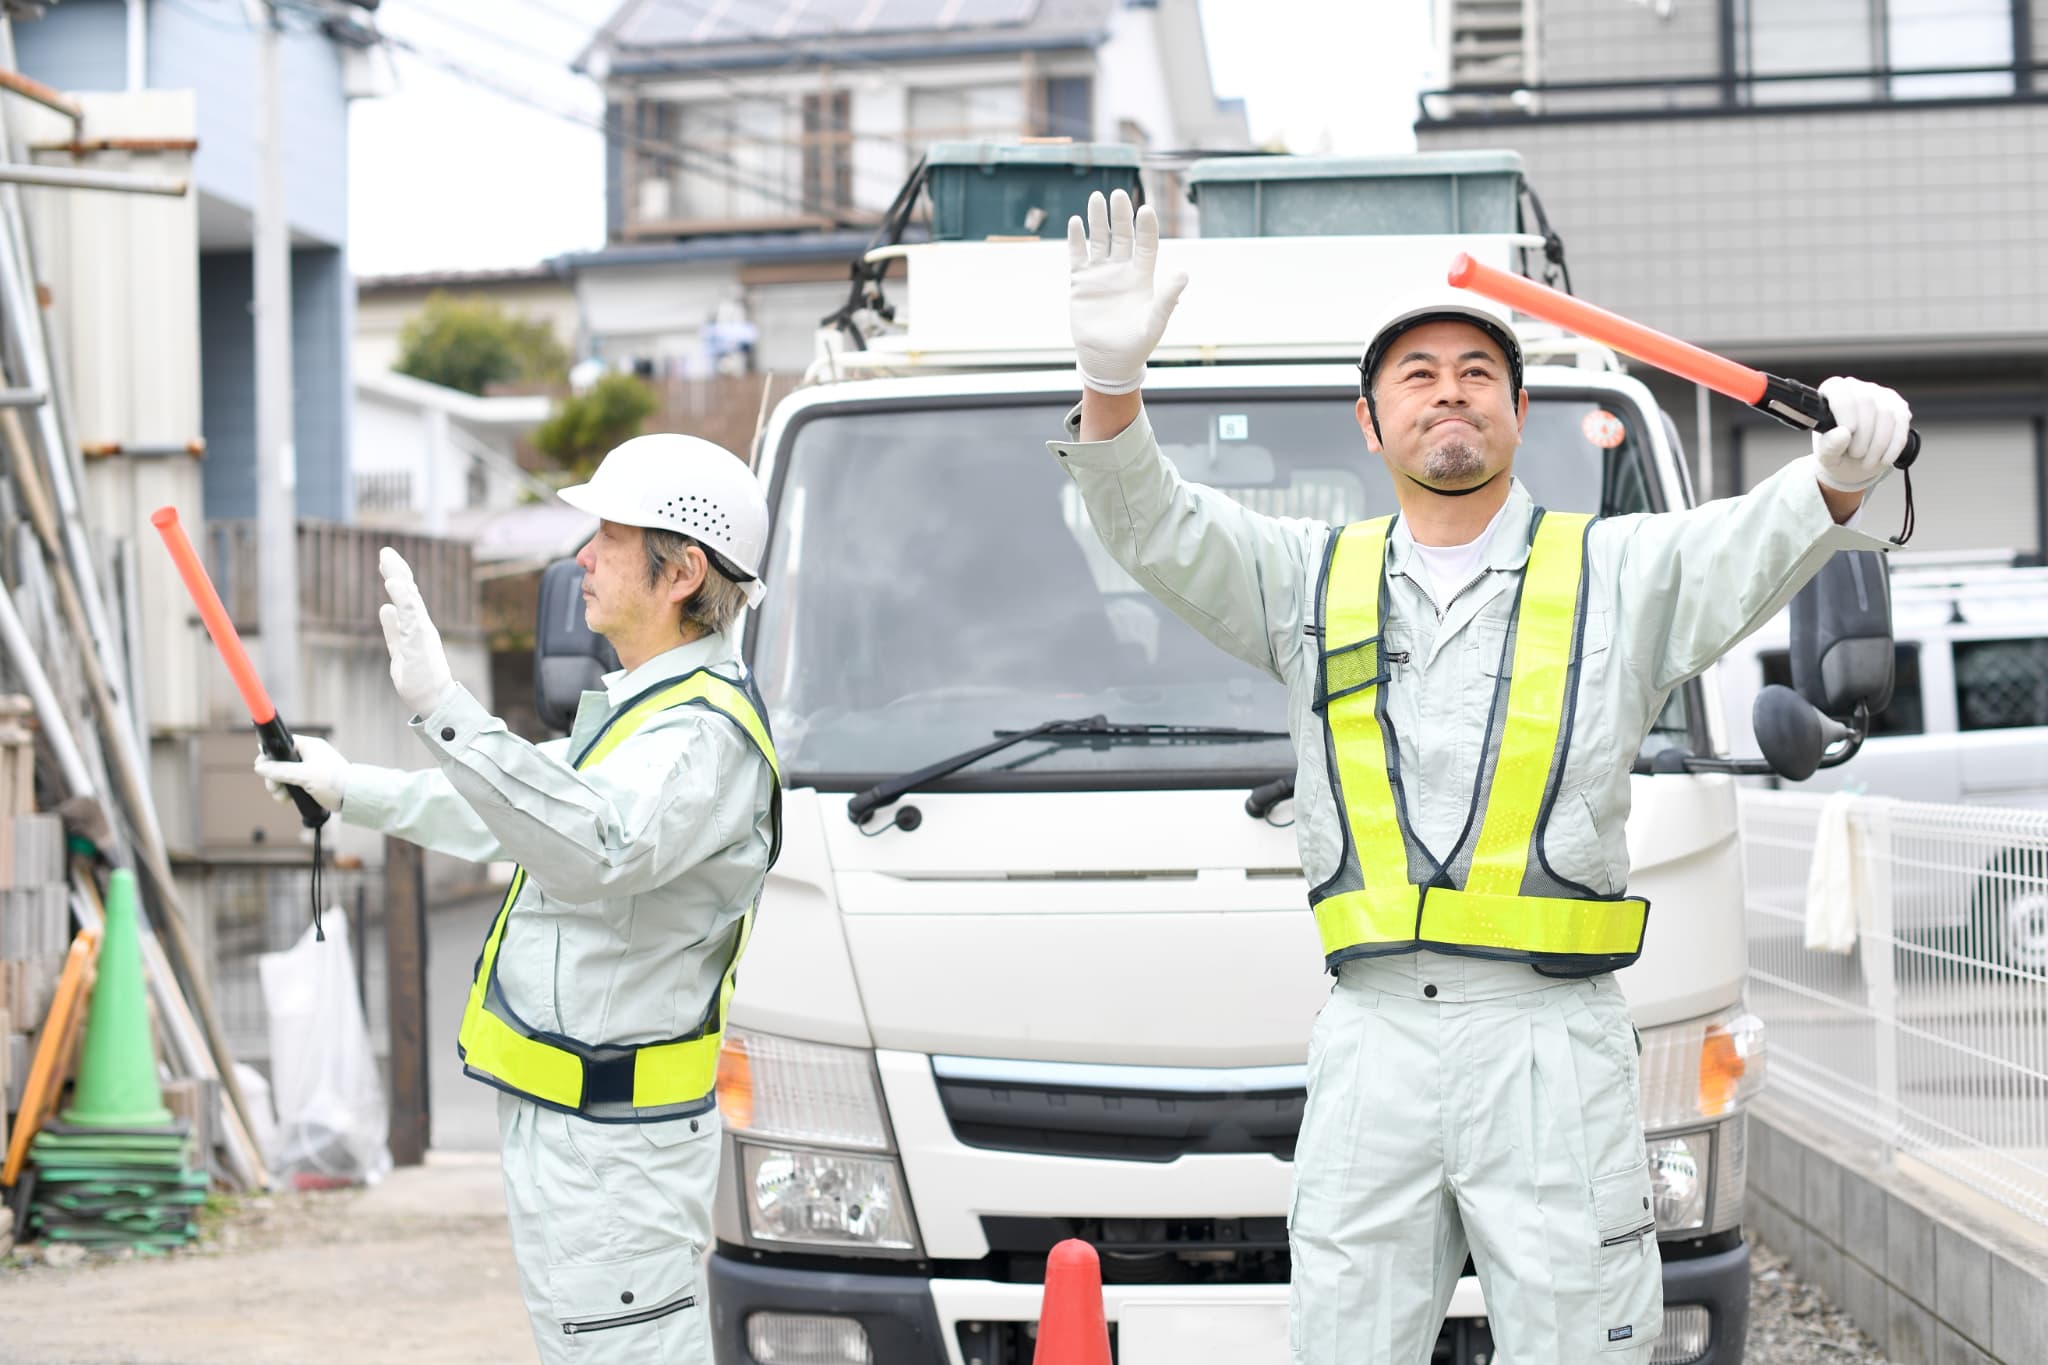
[(866, 803)]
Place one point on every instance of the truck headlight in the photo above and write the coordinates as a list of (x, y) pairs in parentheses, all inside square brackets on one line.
[(1681, 1175), (1698, 1077), (816, 1161), (834, 1199)]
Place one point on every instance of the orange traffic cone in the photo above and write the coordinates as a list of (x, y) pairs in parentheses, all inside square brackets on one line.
[(1071, 1329)]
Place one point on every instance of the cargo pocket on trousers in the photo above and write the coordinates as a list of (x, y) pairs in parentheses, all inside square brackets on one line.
[(631, 1308), (1631, 1294)]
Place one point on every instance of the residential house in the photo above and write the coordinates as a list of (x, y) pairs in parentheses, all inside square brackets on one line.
[(153, 300), (753, 150)]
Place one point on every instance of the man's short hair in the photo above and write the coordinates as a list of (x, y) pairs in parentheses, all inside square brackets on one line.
[(717, 601)]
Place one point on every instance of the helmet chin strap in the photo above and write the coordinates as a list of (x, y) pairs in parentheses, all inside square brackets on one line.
[(1453, 492)]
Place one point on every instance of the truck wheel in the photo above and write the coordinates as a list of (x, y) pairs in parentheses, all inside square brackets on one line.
[(2010, 911)]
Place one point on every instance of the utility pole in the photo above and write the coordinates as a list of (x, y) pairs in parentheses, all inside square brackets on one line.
[(277, 513)]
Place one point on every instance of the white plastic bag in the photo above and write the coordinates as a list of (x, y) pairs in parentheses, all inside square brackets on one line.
[(332, 1119)]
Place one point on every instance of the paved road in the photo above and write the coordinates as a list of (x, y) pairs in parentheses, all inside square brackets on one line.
[(419, 1269)]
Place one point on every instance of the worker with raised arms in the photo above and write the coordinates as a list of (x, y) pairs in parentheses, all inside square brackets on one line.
[(1469, 681)]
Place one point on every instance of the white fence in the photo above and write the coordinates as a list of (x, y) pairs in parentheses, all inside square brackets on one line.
[(1931, 1032)]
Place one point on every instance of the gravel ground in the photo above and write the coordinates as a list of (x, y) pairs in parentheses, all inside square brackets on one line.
[(1792, 1323)]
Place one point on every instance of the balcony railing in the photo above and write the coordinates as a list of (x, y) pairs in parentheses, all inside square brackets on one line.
[(340, 587), (1722, 93)]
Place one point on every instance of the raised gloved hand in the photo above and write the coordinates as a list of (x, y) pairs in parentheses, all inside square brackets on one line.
[(321, 772), (419, 664), (1871, 426), (1116, 309)]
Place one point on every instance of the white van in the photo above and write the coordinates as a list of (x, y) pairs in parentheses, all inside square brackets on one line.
[(1062, 986)]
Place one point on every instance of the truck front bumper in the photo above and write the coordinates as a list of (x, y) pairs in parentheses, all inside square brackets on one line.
[(916, 1320)]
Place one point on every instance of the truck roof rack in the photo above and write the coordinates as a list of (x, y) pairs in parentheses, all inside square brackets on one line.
[(1003, 304)]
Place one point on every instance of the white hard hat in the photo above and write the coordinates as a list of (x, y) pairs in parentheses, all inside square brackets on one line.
[(1444, 304), (685, 484)]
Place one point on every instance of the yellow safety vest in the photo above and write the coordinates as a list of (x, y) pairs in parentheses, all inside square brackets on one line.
[(630, 1083), (1389, 894)]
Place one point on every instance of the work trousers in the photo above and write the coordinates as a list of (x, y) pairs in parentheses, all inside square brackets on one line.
[(1454, 1105), (610, 1222)]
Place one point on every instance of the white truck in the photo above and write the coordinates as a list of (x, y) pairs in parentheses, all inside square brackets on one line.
[(1058, 982)]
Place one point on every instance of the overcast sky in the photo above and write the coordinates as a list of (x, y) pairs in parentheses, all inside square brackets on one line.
[(448, 174)]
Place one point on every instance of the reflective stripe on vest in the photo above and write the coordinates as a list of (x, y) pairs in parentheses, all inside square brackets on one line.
[(616, 1083), (1489, 916)]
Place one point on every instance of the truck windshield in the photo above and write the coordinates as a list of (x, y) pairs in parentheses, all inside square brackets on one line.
[(934, 579)]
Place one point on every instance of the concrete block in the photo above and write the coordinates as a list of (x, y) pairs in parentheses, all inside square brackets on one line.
[(1821, 1196), (1774, 1227), (1863, 1221), (1954, 1349), (1909, 1250), (1909, 1332), (1962, 1283), (1866, 1298), (1822, 1266), (1783, 1168), (1761, 1139), (2019, 1312)]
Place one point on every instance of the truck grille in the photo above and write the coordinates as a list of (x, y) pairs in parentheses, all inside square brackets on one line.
[(1121, 1113), (1014, 1343), (1147, 1250)]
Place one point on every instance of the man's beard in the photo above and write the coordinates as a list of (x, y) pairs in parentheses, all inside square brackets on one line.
[(1452, 463)]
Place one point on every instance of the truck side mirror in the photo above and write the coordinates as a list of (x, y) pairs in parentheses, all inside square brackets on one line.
[(569, 658), (1790, 733), (1842, 661), (1842, 654)]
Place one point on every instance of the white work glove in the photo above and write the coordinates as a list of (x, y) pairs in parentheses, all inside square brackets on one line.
[(1871, 425), (1116, 310), (419, 665), (321, 771)]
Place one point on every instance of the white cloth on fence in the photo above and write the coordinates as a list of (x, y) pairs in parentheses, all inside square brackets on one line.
[(1833, 883)]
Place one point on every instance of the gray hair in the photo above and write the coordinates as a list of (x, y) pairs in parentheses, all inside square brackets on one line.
[(715, 604)]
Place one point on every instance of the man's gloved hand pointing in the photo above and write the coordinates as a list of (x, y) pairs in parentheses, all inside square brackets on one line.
[(419, 664), (1871, 426), (1116, 309)]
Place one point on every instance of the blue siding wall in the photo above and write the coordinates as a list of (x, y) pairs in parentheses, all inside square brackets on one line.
[(210, 49), (322, 305), (79, 45), (227, 383)]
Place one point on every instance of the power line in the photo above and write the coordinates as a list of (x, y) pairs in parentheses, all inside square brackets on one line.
[(676, 151), (903, 141)]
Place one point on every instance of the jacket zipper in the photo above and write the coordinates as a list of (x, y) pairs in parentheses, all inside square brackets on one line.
[(570, 1329), (1442, 610), (1626, 1237)]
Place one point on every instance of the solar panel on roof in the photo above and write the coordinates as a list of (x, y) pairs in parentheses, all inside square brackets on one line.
[(897, 16), (826, 18), (989, 13), (668, 23)]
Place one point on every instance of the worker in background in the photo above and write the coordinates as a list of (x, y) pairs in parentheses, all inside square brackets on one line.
[(1469, 682), (642, 842)]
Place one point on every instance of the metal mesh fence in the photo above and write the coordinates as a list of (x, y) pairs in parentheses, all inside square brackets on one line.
[(1931, 1033)]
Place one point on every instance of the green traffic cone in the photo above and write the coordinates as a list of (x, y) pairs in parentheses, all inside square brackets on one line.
[(117, 1082)]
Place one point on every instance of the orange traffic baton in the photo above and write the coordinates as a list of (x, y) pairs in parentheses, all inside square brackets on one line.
[(271, 731), (1788, 400)]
